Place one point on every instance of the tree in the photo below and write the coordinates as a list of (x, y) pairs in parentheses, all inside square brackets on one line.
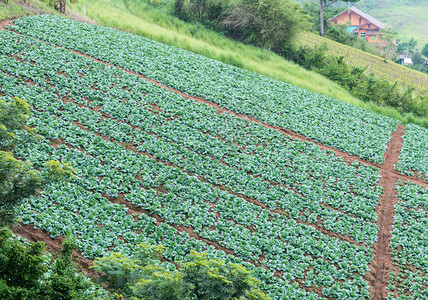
[(323, 5), (312, 9), (425, 50), (142, 276), (215, 279), (269, 24), (412, 45), (417, 58), (24, 273)]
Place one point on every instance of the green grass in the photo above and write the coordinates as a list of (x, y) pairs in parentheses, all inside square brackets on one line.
[(16, 9), (11, 10), (157, 24)]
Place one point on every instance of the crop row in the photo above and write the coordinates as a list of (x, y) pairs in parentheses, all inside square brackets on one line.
[(409, 244), (171, 206), (274, 151), (414, 153), (326, 120)]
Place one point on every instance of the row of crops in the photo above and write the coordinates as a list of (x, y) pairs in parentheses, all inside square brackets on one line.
[(374, 64), (413, 158), (278, 205), (409, 243), (331, 122)]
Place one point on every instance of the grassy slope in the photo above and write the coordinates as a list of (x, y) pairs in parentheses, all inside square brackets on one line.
[(158, 25), (11, 10), (392, 71), (17, 8)]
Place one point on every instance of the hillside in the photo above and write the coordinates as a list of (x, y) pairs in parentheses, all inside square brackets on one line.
[(375, 64), (179, 149)]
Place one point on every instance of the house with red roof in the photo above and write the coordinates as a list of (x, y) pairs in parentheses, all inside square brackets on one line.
[(361, 24)]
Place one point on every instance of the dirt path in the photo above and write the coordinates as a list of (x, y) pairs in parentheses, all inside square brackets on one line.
[(382, 261), (339, 153), (5, 22)]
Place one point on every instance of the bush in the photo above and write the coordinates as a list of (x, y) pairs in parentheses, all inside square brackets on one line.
[(24, 273), (269, 24)]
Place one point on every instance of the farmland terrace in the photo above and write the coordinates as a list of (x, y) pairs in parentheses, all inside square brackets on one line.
[(321, 199)]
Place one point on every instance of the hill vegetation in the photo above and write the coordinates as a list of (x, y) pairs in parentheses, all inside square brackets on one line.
[(160, 25), (178, 149), (200, 179), (372, 63)]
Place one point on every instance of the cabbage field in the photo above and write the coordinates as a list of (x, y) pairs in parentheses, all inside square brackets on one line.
[(409, 244), (332, 122), (157, 167), (414, 154)]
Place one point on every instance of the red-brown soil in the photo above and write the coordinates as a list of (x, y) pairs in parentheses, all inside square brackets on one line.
[(382, 261), (5, 22)]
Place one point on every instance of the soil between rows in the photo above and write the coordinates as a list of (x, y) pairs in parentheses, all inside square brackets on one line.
[(385, 212), (382, 262)]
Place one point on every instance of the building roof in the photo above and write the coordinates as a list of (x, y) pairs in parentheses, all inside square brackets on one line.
[(365, 16)]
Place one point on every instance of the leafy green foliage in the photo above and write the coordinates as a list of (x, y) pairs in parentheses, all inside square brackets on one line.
[(197, 278), (374, 64), (269, 101), (26, 273), (168, 155), (425, 50), (122, 272), (413, 159), (269, 24), (417, 58), (22, 266), (215, 279), (64, 282), (365, 86)]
